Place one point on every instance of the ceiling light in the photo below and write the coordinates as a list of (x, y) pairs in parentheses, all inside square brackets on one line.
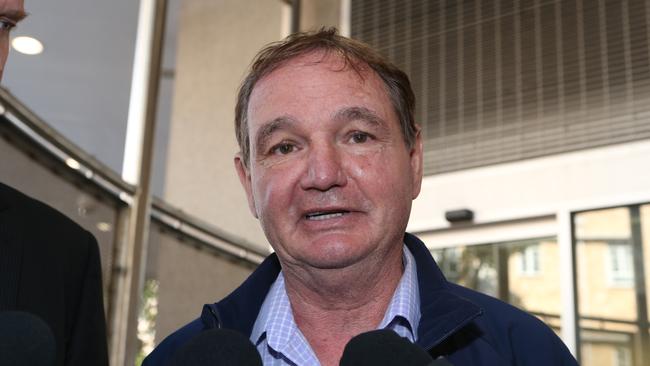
[(27, 45), (104, 226), (73, 163)]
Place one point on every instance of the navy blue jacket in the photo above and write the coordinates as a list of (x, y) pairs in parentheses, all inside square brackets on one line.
[(464, 326)]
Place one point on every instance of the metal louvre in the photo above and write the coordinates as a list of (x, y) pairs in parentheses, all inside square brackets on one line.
[(505, 80)]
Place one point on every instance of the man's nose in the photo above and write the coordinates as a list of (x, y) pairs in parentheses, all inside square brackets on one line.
[(324, 168)]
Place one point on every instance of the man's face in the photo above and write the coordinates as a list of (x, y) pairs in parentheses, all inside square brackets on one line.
[(11, 12), (330, 177)]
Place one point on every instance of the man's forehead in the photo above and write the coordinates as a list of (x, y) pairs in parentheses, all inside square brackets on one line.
[(327, 60), (309, 69), (315, 74)]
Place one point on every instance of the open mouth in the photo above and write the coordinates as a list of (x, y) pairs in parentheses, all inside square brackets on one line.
[(316, 216)]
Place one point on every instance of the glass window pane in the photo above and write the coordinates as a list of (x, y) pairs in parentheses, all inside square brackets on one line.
[(508, 271), (611, 323)]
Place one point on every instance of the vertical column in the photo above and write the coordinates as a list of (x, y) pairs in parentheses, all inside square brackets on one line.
[(639, 283), (344, 18), (295, 16), (137, 170), (501, 254), (569, 314)]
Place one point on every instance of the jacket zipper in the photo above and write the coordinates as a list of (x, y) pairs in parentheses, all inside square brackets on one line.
[(216, 316)]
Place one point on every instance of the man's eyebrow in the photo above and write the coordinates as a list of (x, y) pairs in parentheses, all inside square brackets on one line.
[(359, 113), (13, 14), (265, 132)]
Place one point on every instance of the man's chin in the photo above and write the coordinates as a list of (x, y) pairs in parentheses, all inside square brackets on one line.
[(335, 257)]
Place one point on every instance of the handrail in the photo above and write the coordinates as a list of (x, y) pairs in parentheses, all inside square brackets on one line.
[(586, 317), (56, 145), (21, 120), (202, 231)]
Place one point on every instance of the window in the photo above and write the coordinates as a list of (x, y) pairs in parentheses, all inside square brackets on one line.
[(622, 357), (529, 260), (620, 270)]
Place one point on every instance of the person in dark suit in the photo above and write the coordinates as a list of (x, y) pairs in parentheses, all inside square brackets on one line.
[(49, 265)]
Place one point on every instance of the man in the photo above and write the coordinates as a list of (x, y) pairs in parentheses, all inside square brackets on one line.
[(331, 160), (49, 266), (11, 12)]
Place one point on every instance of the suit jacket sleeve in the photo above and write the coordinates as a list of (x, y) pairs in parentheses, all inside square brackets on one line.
[(87, 342)]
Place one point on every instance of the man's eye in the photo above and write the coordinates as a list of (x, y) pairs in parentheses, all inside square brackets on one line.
[(283, 148), (359, 137), (6, 25)]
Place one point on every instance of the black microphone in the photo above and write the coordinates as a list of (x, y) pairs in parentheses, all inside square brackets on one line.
[(25, 340), (384, 347), (217, 347)]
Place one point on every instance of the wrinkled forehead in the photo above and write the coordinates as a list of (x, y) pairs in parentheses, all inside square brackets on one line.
[(332, 60), (321, 75), (295, 72)]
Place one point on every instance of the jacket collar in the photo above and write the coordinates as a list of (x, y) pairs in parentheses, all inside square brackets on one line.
[(238, 311), (443, 312)]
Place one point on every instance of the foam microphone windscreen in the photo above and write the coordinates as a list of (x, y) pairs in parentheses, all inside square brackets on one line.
[(217, 347), (25, 340), (383, 348)]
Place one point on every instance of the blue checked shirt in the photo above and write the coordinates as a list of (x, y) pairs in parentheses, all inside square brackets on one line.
[(281, 343)]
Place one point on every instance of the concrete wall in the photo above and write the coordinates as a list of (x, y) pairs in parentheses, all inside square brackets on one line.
[(217, 40), (188, 278), (521, 198), (315, 14)]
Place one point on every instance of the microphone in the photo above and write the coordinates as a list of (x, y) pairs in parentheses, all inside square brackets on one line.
[(25, 340), (217, 347), (384, 347)]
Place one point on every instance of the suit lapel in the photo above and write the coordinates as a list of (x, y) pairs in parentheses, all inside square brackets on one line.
[(11, 253)]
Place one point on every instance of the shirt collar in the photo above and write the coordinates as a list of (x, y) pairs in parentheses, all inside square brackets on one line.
[(275, 320), (276, 324), (404, 307)]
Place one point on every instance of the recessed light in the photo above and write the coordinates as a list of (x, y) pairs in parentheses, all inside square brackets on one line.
[(104, 226), (73, 163), (27, 45)]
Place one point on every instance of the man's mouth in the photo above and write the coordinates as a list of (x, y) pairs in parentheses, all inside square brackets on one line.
[(325, 215)]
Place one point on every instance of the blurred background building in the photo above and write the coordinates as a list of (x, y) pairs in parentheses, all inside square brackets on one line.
[(535, 115)]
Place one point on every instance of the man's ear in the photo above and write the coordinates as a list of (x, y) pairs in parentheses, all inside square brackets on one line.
[(416, 157), (245, 180)]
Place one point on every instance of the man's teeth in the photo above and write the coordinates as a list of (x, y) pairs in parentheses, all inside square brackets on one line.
[(324, 216)]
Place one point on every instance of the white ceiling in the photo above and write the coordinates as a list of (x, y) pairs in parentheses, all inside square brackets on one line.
[(80, 84)]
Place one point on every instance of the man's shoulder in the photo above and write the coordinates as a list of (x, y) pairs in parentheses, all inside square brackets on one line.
[(515, 333), (493, 307), (32, 213), (166, 349)]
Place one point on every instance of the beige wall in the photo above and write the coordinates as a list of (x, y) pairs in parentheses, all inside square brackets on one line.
[(319, 13), (188, 278), (217, 39)]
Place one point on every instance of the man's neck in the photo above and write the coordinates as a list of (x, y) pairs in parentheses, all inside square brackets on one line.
[(332, 306)]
